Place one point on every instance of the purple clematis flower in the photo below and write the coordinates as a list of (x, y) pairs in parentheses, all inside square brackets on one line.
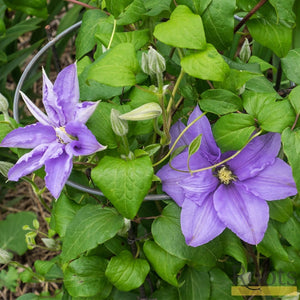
[(231, 195), (57, 136)]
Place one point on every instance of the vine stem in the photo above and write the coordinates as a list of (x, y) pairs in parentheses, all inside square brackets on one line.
[(249, 15), (82, 4), (112, 35), (221, 162)]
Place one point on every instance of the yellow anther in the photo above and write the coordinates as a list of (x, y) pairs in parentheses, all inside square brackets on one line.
[(225, 175)]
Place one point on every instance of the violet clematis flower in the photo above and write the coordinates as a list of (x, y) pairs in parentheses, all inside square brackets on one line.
[(57, 136), (231, 195)]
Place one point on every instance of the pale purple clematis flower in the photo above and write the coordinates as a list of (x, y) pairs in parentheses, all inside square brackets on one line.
[(57, 136), (231, 195)]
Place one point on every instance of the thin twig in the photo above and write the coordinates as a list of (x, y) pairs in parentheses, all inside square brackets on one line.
[(249, 15), (296, 120), (82, 4)]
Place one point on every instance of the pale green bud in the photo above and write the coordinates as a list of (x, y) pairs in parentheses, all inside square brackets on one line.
[(36, 224), (5, 167), (153, 62), (5, 256), (3, 104), (119, 127), (125, 228), (49, 243), (245, 52), (145, 112)]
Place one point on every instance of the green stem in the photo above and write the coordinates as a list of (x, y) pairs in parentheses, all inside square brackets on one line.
[(113, 34), (125, 144), (220, 163), (178, 138)]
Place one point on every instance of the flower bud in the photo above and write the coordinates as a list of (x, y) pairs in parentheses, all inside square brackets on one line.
[(145, 112), (245, 52), (3, 103), (5, 256), (119, 127), (153, 62)]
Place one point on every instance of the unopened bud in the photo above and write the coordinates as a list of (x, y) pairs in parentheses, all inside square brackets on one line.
[(5, 256), (123, 231), (153, 62), (145, 112), (119, 127), (245, 52), (3, 103)]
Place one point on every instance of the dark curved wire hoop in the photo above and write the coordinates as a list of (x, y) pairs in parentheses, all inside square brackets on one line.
[(27, 70)]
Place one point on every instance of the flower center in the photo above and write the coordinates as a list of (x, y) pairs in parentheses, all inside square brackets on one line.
[(63, 136), (225, 175)]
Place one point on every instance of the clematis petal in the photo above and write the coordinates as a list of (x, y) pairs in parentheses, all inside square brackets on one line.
[(258, 154), (28, 163), (273, 183), (208, 148), (172, 179), (58, 171), (50, 101), (85, 143), (200, 223), (29, 137), (242, 212), (197, 186), (36, 112), (175, 131), (84, 110), (66, 87)]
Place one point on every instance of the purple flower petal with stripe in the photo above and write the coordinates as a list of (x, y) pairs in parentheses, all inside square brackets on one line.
[(232, 194), (58, 135)]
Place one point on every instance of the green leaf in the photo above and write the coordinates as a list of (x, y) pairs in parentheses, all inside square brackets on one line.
[(126, 272), (132, 13), (12, 235), (233, 131), (195, 285), (291, 147), (281, 210), (264, 66), (276, 116), (30, 7), (63, 212), (117, 67), (9, 279), (49, 269), (218, 22), (206, 64), (201, 5), (233, 247), (92, 225), (100, 124), (284, 10), (94, 90), (270, 245), (166, 293), (221, 286), (155, 7), (85, 277), (254, 102), (167, 234), (137, 38), (291, 65), (165, 265), (292, 266), (183, 30), (294, 97), (220, 102), (274, 36), (14, 32), (124, 182), (195, 145), (235, 80), (85, 40), (117, 6), (290, 230)]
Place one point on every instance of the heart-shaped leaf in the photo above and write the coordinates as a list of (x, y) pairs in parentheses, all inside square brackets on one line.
[(117, 67), (183, 30), (124, 182), (206, 64), (126, 272)]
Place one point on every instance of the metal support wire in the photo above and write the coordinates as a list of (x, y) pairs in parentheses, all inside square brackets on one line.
[(27, 70)]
